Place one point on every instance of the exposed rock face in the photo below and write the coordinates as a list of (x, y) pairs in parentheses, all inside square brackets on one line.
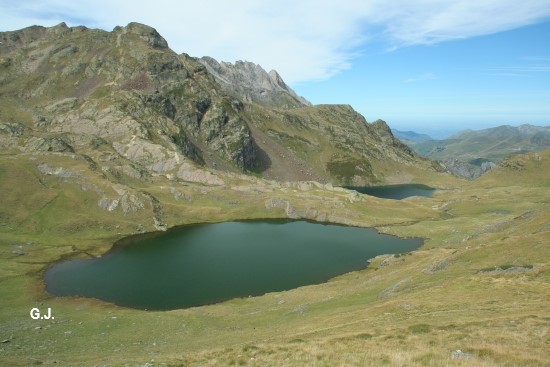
[(189, 173), (381, 128), (136, 109), (147, 34), (252, 83), (468, 170), (46, 169), (36, 144)]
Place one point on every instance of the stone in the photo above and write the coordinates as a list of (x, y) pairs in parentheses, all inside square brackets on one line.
[(276, 203), (108, 204), (50, 144), (12, 129), (438, 266), (187, 172), (392, 290), (354, 197), (130, 203), (62, 172), (458, 354)]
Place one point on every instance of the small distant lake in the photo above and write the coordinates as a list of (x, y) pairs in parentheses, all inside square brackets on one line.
[(209, 263), (396, 192)]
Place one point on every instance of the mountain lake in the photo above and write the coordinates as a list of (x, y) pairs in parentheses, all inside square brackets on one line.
[(396, 192), (203, 264)]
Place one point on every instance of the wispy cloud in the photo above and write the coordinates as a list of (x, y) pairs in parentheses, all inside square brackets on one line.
[(518, 70), (524, 68), (536, 58), (304, 40), (434, 21), (420, 78), (507, 74)]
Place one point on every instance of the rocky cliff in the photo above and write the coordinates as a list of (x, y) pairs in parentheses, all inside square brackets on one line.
[(134, 107), (251, 83)]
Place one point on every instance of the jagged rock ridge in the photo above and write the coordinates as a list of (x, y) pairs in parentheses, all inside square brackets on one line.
[(252, 83)]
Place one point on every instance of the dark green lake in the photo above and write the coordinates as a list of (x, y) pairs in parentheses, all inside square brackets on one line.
[(208, 263), (396, 192)]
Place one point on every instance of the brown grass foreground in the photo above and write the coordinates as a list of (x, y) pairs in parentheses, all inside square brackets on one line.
[(480, 284)]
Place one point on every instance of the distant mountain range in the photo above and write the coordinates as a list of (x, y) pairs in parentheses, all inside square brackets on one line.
[(410, 136), (471, 153)]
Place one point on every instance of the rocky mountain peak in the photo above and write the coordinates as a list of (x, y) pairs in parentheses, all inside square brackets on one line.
[(14, 39), (276, 78), (146, 33), (252, 83), (382, 126)]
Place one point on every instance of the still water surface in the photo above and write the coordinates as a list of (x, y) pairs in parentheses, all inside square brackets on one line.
[(396, 192), (208, 263)]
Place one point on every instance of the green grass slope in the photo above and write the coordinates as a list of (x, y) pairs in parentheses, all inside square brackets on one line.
[(480, 284)]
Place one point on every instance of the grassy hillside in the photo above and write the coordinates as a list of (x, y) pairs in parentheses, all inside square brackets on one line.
[(480, 283)]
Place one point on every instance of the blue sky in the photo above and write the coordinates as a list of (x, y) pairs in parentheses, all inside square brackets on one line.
[(479, 82), (433, 66)]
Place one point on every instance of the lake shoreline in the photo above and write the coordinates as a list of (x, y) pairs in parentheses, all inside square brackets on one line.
[(374, 239)]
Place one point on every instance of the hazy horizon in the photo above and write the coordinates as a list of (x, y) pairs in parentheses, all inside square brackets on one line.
[(440, 134)]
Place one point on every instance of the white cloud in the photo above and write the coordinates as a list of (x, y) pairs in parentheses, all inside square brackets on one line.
[(304, 40)]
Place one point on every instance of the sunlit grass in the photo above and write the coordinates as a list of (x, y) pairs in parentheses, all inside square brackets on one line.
[(412, 310)]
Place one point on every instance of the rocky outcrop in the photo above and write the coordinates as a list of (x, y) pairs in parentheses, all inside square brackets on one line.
[(145, 33), (467, 169), (48, 144), (13, 129), (252, 83), (189, 173), (62, 172)]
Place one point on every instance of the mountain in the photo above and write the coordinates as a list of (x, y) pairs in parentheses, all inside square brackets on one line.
[(251, 83), (410, 136), (470, 153), (132, 106)]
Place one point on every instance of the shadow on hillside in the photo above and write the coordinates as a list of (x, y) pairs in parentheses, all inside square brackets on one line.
[(263, 162)]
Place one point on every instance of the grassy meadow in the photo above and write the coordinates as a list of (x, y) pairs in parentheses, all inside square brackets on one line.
[(475, 294)]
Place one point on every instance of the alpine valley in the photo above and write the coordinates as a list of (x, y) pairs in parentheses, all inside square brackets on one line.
[(105, 135), (471, 153)]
